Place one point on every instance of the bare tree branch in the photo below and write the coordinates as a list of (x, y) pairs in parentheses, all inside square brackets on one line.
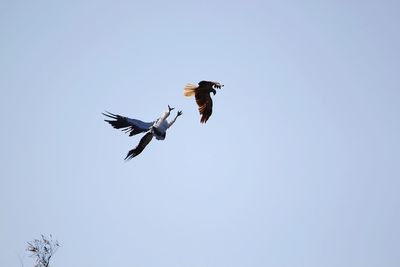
[(43, 249)]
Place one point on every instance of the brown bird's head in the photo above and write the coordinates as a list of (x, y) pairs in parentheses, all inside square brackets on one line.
[(211, 86), (216, 85)]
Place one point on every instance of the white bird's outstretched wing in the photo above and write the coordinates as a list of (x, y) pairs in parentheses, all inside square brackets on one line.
[(128, 125), (139, 148)]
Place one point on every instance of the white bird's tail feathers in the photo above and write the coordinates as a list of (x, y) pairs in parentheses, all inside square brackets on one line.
[(189, 90)]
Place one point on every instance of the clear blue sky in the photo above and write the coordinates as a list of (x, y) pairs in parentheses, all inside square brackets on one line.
[(298, 166)]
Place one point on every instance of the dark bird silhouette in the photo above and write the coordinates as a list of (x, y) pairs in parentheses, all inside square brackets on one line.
[(157, 129), (202, 96)]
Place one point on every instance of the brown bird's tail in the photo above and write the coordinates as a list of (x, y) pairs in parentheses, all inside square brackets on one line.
[(189, 90)]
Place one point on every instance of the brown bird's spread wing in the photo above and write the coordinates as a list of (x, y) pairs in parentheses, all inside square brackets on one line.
[(139, 148), (205, 103), (206, 84)]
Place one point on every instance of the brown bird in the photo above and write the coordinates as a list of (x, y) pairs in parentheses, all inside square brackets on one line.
[(202, 96)]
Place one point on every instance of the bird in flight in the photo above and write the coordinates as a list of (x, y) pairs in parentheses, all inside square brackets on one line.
[(202, 96), (157, 128)]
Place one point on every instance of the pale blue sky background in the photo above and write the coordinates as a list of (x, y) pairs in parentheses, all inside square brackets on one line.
[(298, 166)]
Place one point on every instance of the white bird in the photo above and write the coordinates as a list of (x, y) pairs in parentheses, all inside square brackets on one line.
[(157, 128)]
